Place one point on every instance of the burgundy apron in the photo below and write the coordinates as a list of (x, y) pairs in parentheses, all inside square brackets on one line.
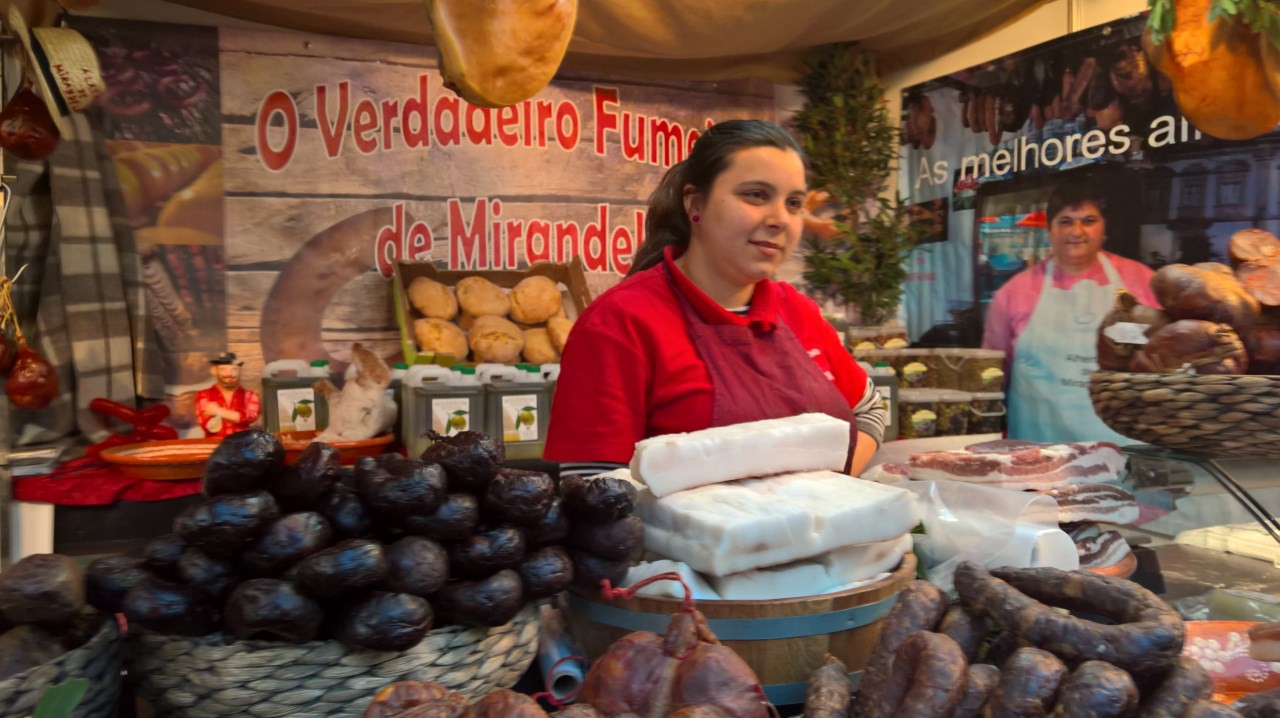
[(759, 375)]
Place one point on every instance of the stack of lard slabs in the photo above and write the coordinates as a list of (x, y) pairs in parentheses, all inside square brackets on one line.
[(675, 462), (758, 495), (751, 523), (838, 570)]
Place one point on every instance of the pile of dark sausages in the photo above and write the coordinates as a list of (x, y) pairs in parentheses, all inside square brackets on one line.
[(1008, 650)]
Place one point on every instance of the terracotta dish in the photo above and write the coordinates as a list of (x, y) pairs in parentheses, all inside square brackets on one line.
[(349, 451), (1124, 568), (162, 460), (1222, 647)]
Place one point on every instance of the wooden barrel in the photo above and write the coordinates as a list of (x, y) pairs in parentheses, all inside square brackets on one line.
[(783, 641)]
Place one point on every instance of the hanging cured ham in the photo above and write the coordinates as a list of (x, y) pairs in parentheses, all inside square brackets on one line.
[(500, 52), (1219, 77)]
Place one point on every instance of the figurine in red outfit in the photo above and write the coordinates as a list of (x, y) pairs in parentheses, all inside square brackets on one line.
[(226, 407)]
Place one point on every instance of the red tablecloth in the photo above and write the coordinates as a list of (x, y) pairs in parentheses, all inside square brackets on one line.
[(91, 482)]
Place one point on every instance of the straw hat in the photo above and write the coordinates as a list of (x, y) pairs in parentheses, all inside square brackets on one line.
[(65, 67)]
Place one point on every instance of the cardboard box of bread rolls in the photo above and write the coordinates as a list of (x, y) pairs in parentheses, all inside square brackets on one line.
[(501, 316)]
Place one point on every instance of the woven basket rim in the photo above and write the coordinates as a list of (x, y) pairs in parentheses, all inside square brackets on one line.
[(223, 639), (1202, 378), (108, 632), (1216, 415)]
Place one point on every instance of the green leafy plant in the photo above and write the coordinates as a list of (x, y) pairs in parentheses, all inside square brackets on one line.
[(851, 144), (60, 701), (1261, 16)]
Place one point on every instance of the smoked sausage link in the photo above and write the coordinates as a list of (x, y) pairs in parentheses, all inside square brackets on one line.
[(1028, 687), (1147, 639), (829, 689), (1097, 690), (919, 608), (1185, 683), (928, 678), (982, 680), (966, 629)]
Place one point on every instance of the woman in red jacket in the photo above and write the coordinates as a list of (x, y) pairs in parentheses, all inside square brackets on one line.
[(698, 335)]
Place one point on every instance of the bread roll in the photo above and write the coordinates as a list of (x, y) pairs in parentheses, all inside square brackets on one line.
[(558, 328), (494, 339), (479, 297), (535, 300), (440, 337), (538, 348), (432, 299)]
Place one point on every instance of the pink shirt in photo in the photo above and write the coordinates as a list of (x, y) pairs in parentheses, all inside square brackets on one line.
[(1013, 304)]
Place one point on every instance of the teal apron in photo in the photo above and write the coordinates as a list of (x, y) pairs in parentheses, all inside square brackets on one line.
[(1057, 351)]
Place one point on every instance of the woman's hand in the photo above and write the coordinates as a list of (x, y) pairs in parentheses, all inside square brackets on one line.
[(862, 453)]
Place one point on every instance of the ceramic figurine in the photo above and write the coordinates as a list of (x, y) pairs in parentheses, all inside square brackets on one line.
[(226, 407)]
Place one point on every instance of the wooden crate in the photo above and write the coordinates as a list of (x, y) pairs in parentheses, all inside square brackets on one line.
[(571, 276)]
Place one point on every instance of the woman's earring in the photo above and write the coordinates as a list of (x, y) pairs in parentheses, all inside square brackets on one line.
[(695, 218)]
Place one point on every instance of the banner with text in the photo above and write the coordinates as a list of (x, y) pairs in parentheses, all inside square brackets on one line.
[(982, 149), (263, 165)]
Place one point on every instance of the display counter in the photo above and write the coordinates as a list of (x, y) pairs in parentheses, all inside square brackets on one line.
[(1198, 531)]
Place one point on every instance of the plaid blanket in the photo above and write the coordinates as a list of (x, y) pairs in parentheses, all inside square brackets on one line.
[(80, 301)]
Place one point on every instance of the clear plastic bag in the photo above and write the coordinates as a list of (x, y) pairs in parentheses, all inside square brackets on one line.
[(993, 526), (1229, 604)]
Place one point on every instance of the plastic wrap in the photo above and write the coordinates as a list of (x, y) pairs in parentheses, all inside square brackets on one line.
[(993, 526)]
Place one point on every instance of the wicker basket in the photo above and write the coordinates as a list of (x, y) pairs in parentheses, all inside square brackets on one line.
[(99, 661), (214, 676), (1211, 414)]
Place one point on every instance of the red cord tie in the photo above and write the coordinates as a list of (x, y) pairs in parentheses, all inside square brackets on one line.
[(686, 606), (610, 593)]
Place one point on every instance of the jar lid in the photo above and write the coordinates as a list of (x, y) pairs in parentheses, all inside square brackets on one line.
[(320, 363), (400, 365)]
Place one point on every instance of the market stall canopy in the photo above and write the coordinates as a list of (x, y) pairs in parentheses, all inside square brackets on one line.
[(709, 40)]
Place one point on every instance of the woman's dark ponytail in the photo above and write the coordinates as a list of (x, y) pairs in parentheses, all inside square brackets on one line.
[(666, 223)]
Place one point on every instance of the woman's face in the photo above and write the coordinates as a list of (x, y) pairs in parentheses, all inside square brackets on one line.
[(752, 218), (1076, 235)]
